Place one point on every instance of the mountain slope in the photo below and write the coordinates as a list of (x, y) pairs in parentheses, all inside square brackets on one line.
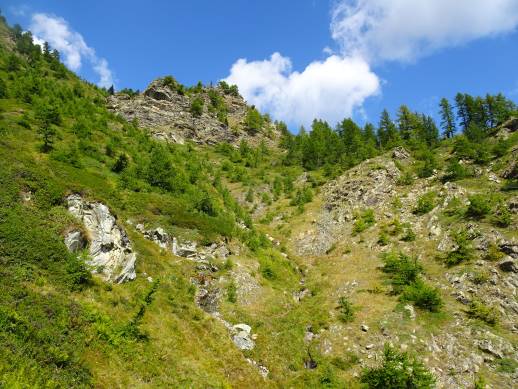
[(256, 266)]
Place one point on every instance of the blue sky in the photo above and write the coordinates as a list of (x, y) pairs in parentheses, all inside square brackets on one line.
[(412, 54)]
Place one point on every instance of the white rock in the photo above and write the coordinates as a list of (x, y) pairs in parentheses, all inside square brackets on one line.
[(110, 251)]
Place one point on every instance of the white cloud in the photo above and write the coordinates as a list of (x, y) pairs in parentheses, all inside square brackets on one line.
[(71, 45), (329, 89), (405, 30)]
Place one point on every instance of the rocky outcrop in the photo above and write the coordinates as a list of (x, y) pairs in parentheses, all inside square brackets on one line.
[(166, 113), (185, 249), (368, 185), (110, 251)]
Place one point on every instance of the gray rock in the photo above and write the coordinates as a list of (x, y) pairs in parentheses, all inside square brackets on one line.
[(508, 265), (110, 250), (364, 328), (243, 341), (243, 327), (510, 248), (159, 236), (75, 241), (400, 153)]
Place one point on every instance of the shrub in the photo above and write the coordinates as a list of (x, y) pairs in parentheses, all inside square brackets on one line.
[(253, 120), (456, 171), (493, 253), (397, 371), (383, 238), (480, 277), (363, 221), (463, 252), (402, 269), (423, 296), (407, 178), (409, 235), (425, 203), (302, 197), (197, 106), (427, 165), (479, 206), (501, 147), (345, 310), (502, 216), (507, 365), (479, 310), (480, 383), (232, 292), (121, 163)]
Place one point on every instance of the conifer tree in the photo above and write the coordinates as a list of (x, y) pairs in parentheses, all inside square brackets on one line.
[(447, 118)]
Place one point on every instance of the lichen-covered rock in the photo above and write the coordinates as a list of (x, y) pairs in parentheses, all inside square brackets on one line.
[(110, 251)]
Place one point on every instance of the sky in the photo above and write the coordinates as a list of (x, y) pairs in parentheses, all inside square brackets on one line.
[(295, 59)]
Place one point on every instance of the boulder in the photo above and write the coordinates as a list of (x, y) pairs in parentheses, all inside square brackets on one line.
[(243, 341), (110, 252), (508, 265)]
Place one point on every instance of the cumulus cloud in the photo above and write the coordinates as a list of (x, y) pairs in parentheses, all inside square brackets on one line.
[(328, 89), (405, 30), (71, 45), (367, 32)]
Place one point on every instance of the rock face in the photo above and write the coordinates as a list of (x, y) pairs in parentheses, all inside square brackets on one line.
[(371, 184), (110, 251), (167, 115)]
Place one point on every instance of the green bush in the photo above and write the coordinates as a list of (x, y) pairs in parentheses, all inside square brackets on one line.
[(402, 269), (345, 310), (463, 252), (232, 292), (507, 365), (302, 197), (479, 206), (456, 171), (423, 296), (383, 238), (425, 203), (493, 253), (197, 106), (397, 371), (502, 216), (121, 163), (253, 120), (363, 221), (409, 235), (479, 310), (407, 178)]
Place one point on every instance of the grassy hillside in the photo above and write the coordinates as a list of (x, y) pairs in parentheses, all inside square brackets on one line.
[(334, 249)]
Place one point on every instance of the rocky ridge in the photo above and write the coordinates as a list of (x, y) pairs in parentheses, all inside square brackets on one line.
[(166, 113)]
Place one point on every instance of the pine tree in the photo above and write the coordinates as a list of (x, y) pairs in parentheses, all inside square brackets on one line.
[(462, 110), (447, 118), (404, 120), (388, 135)]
